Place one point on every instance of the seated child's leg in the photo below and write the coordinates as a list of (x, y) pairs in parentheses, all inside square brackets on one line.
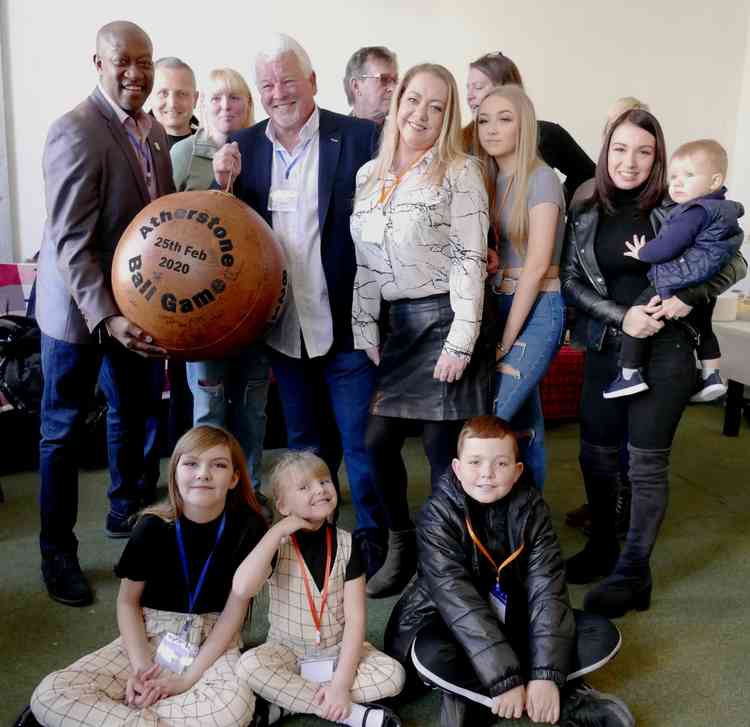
[(89, 692), (219, 698), (597, 642), (270, 670), (440, 661), (378, 676)]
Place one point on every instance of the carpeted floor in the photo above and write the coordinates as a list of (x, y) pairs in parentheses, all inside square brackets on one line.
[(684, 663)]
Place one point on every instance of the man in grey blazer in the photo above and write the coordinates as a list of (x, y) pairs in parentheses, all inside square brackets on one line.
[(103, 162)]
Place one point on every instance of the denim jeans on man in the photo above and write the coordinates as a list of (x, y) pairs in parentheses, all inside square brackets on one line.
[(232, 393), (346, 379), (517, 398), (70, 373)]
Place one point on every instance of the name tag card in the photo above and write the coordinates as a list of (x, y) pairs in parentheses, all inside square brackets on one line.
[(283, 200), (175, 653), (498, 602), (373, 228), (318, 670)]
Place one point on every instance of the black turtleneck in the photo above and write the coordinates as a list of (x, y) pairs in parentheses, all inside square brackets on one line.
[(625, 277), (312, 544)]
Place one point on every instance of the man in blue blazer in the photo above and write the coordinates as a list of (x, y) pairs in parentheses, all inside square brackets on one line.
[(298, 170), (103, 162)]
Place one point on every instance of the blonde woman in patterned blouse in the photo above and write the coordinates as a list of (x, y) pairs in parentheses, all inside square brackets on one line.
[(419, 226)]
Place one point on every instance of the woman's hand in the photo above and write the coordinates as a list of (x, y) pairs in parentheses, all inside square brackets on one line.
[(510, 704), (227, 164), (673, 308), (373, 353), (642, 321), (449, 368)]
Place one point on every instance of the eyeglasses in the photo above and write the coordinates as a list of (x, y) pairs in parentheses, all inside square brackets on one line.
[(385, 79)]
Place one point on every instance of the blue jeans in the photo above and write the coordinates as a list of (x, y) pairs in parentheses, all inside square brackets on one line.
[(231, 393), (343, 380), (517, 397), (70, 374)]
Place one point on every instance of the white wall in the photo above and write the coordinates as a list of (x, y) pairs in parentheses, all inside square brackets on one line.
[(686, 58)]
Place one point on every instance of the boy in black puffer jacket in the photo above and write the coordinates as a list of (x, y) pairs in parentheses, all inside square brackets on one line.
[(487, 618)]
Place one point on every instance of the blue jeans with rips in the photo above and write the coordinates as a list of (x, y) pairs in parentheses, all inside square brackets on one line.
[(232, 393), (517, 398), (131, 385)]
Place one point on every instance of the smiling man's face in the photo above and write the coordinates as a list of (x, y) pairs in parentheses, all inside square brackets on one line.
[(124, 62)]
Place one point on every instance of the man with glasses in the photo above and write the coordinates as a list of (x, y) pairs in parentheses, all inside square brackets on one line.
[(369, 81)]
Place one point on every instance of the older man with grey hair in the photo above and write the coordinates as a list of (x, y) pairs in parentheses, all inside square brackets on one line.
[(297, 170), (369, 81)]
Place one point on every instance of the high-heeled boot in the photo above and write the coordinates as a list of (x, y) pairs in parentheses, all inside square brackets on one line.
[(600, 467), (629, 586), (399, 566)]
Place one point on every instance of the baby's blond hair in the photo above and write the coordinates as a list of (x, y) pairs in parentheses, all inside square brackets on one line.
[(295, 465), (714, 153)]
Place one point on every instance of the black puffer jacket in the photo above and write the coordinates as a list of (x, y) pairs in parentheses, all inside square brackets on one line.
[(583, 284), (448, 587)]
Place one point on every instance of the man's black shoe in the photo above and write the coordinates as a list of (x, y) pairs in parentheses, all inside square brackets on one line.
[(64, 580), (117, 527)]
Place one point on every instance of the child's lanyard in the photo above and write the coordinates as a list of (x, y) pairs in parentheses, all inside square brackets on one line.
[(486, 553), (386, 194), (193, 594), (317, 617)]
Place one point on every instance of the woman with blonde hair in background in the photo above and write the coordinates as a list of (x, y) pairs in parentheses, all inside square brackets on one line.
[(420, 231)]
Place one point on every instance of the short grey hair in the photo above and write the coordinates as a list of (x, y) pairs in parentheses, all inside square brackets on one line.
[(277, 45), (356, 65), (176, 64)]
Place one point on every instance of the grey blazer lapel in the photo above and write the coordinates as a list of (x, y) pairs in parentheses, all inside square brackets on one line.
[(121, 137)]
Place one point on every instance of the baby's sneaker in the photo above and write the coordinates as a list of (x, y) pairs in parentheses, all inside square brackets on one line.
[(625, 387), (708, 389)]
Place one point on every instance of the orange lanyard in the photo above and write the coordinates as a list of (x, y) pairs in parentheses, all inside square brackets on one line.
[(386, 194), (316, 616), (486, 553)]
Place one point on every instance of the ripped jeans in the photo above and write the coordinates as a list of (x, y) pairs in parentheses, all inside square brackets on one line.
[(231, 393), (517, 397)]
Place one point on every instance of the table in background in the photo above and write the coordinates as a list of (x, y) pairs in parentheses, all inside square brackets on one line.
[(734, 339)]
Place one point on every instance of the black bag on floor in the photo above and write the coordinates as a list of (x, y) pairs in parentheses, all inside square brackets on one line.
[(21, 363)]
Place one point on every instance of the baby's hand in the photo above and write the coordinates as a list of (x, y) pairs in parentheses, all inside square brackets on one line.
[(334, 701), (543, 701), (634, 247), (510, 704)]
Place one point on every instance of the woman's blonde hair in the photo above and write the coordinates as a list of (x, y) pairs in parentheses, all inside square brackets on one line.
[(527, 160), (230, 81), (293, 466), (448, 145), (198, 440)]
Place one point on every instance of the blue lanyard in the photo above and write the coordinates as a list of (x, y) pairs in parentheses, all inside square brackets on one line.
[(302, 153), (193, 595), (142, 150)]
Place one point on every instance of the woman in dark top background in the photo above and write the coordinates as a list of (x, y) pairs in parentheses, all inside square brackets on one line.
[(557, 147), (602, 284)]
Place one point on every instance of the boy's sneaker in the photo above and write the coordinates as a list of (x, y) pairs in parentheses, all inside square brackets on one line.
[(625, 387), (708, 389), (583, 706)]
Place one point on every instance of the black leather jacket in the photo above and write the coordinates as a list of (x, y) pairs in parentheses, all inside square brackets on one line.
[(448, 587), (583, 283)]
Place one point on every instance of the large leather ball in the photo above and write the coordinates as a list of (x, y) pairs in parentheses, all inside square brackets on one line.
[(201, 272)]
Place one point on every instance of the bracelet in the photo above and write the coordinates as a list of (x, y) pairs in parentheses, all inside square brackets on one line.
[(501, 348)]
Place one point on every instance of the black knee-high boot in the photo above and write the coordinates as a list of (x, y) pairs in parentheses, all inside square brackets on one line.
[(600, 467), (629, 586)]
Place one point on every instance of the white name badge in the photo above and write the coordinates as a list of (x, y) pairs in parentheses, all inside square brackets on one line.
[(175, 653), (373, 228), (283, 200), (498, 602), (318, 670)]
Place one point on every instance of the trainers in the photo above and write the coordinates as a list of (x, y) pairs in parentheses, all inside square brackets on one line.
[(64, 580), (117, 527), (583, 706), (625, 387), (708, 389)]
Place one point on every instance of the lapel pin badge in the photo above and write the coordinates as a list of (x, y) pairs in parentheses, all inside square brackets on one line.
[(334, 139)]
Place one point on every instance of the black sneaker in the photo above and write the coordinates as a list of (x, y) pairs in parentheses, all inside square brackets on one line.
[(64, 580), (708, 389), (583, 706), (625, 387), (26, 719), (117, 527)]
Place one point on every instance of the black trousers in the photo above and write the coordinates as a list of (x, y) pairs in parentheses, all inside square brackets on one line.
[(634, 351), (440, 661)]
